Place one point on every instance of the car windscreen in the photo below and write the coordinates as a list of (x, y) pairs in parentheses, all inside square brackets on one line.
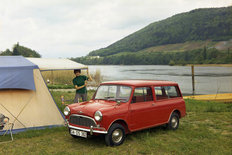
[(113, 92)]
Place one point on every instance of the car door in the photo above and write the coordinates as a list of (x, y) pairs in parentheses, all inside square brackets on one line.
[(165, 102), (140, 108)]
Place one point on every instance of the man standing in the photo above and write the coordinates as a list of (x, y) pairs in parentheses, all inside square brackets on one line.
[(80, 82)]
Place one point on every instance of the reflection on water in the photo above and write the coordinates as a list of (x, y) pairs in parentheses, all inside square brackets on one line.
[(209, 80)]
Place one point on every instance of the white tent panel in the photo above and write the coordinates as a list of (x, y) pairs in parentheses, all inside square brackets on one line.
[(56, 64)]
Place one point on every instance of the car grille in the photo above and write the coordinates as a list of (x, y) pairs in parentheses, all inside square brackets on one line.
[(82, 121)]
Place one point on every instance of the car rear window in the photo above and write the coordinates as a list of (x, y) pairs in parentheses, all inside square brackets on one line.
[(166, 92)]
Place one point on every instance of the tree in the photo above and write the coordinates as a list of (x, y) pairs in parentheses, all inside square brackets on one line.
[(6, 52), (204, 53), (15, 49), (21, 50), (171, 63)]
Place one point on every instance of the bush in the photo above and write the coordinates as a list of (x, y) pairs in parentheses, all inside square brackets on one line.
[(171, 63)]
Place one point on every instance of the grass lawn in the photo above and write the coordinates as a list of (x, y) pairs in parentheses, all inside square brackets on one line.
[(207, 129)]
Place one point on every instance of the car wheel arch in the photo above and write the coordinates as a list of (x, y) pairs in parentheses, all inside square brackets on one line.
[(174, 111), (178, 112), (173, 122), (121, 122)]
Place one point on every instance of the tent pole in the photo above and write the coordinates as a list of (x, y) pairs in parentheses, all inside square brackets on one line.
[(52, 77), (13, 116)]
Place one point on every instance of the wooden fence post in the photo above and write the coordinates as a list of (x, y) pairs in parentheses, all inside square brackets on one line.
[(193, 79)]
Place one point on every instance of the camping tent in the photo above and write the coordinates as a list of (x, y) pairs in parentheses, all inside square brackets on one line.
[(24, 96), (46, 64)]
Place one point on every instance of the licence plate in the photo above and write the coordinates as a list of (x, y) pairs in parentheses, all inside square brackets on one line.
[(78, 133)]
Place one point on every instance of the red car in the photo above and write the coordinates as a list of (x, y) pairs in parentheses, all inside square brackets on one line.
[(121, 107)]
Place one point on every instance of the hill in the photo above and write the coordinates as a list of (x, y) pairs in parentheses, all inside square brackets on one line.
[(176, 54), (213, 24), (20, 50)]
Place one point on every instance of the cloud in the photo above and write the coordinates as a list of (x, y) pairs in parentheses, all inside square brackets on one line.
[(71, 28)]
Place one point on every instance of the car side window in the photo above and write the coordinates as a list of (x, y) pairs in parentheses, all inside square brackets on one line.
[(165, 92), (160, 93), (142, 94), (172, 91)]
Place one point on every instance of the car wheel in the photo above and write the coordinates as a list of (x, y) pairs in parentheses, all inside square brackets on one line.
[(173, 123), (115, 135)]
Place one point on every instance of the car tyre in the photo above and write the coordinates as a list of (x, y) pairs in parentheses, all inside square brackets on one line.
[(173, 123), (115, 135)]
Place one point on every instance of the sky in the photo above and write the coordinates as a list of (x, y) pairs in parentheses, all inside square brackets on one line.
[(73, 28)]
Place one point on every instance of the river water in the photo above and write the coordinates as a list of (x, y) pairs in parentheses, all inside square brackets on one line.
[(208, 80)]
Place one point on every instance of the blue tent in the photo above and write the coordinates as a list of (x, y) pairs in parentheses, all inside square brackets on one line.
[(24, 96), (16, 72)]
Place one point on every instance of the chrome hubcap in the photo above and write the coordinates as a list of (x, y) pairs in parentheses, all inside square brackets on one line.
[(117, 136), (174, 122)]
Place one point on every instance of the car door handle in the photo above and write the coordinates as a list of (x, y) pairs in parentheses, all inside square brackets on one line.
[(153, 104)]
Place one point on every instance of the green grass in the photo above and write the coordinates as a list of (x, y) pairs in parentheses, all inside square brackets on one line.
[(207, 129), (60, 86), (62, 79), (59, 76), (68, 97)]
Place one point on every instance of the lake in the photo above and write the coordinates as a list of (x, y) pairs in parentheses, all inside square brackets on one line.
[(208, 80)]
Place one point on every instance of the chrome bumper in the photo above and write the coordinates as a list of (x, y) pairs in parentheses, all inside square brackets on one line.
[(91, 130)]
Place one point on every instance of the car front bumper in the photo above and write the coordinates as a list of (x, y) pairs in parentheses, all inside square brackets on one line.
[(91, 130)]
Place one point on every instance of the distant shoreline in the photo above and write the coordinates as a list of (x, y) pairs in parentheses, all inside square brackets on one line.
[(210, 65), (198, 65)]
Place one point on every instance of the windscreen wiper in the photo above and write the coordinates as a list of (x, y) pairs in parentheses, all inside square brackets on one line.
[(109, 97)]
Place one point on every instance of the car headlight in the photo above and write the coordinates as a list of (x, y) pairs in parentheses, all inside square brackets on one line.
[(98, 116), (66, 111)]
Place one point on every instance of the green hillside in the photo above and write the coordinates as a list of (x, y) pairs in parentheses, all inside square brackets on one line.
[(205, 55), (198, 25), (181, 47), (20, 50)]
